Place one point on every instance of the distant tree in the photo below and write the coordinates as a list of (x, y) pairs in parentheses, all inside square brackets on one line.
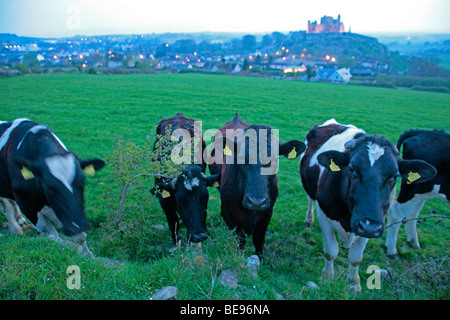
[(23, 68), (310, 73), (427, 67), (236, 44), (346, 62), (279, 37), (246, 65), (249, 42), (30, 60), (266, 40)]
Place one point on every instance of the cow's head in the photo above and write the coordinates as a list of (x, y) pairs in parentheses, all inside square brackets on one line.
[(255, 154), (61, 179), (370, 167), (189, 191)]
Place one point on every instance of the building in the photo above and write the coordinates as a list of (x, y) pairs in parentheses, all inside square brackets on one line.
[(327, 25)]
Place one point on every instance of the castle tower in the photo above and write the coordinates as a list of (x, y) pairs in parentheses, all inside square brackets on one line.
[(338, 24)]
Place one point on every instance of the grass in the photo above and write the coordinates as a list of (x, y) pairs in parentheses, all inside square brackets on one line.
[(88, 111)]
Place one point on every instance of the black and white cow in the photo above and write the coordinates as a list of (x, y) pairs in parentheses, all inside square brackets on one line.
[(351, 177), (44, 178), (432, 146), (186, 196), (249, 185)]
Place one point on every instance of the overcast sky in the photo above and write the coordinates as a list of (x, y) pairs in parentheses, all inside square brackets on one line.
[(90, 17)]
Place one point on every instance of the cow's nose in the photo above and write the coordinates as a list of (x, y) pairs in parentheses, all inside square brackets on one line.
[(370, 229), (256, 203)]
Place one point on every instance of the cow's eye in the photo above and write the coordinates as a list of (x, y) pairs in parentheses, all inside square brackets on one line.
[(392, 180), (352, 172)]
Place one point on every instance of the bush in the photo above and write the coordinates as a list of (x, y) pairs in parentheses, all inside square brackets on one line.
[(23, 68), (126, 230), (92, 71), (433, 89)]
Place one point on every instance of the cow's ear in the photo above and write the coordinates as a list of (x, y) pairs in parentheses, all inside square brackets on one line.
[(416, 171), (91, 166), (213, 180), (164, 189), (291, 149), (229, 146), (28, 169), (333, 160)]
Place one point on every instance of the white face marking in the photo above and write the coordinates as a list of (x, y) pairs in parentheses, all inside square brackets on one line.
[(33, 130), (60, 142), (5, 136), (63, 168), (190, 184), (336, 142), (375, 152)]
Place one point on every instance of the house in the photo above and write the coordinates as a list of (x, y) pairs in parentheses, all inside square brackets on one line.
[(342, 75)]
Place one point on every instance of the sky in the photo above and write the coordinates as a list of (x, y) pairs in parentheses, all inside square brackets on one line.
[(61, 18)]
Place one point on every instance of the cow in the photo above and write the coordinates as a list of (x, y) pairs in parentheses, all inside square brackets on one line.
[(44, 179), (351, 177), (248, 186), (432, 146), (187, 194)]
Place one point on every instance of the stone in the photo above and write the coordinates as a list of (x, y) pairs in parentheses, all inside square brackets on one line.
[(228, 278), (166, 293), (253, 264), (311, 285)]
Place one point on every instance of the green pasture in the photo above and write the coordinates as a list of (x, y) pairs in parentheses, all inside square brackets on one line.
[(88, 112)]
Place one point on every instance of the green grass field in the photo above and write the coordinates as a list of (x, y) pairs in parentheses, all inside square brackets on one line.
[(88, 111)]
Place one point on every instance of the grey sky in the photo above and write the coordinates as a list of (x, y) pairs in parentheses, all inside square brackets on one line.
[(87, 17)]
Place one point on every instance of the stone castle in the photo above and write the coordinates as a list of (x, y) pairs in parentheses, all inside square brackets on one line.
[(327, 25)]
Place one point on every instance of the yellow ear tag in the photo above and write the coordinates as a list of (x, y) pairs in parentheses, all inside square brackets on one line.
[(89, 170), (292, 154), (227, 151), (26, 173), (165, 194), (215, 184), (412, 176), (334, 166)]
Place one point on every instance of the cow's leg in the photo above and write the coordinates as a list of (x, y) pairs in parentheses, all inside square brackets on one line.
[(397, 212), (80, 239), (19, 218), (410, 226), (309, 220), (242, 238), (330, 244), (43, 224), (355, 257), (13, 226), (172, 219), (259, 234)]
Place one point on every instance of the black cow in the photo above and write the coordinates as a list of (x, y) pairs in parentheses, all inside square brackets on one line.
[(432, 146), (248, 188), (44, 178), (351, 176), (186, 194)]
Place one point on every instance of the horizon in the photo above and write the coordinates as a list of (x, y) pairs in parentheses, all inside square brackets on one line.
[(68, 18)]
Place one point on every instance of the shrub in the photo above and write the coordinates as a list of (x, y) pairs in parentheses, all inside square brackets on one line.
[(432, 89), (126, 230), (23, 68), (92, 71)]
